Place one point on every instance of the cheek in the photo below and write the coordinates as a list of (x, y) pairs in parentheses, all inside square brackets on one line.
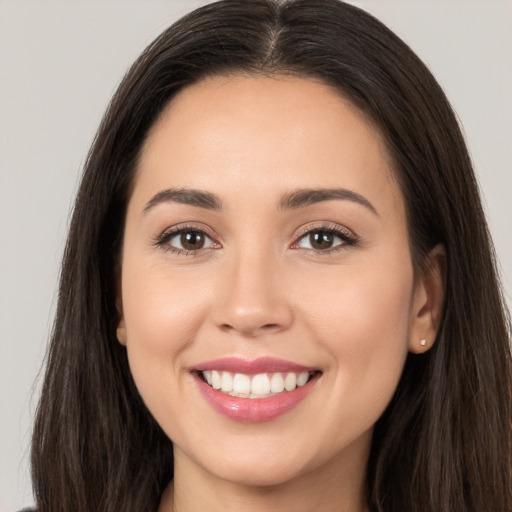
[(161, 303), (363, 322), (162, 316)]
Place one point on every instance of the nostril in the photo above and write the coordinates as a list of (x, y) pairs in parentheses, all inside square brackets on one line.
[(251, 331), (271, 327), (242, 317)]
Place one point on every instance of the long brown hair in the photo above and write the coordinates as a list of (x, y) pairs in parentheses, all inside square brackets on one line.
[(445, 440)]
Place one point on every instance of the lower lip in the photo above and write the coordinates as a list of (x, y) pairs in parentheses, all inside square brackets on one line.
[(254, 410)]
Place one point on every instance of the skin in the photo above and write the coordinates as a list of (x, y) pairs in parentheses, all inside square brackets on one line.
[(258, 289)]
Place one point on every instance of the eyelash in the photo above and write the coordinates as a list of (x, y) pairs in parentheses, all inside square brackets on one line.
[(162, 240), (346, 236)]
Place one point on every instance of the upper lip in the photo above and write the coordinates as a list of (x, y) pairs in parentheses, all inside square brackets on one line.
[(252, 367)]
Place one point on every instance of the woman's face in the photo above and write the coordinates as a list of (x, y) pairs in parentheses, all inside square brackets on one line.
[(266, 251)]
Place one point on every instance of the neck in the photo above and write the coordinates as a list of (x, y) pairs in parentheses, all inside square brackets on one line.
[(339, 485)]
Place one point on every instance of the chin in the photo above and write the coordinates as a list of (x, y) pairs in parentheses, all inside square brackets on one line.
[(263, 464), (258, 473)]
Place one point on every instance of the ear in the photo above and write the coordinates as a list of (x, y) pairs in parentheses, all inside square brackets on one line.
[(121, 325), (121, 332), (428, 300)]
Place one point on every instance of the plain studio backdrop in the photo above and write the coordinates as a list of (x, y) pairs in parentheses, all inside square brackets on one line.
[(60, 61)]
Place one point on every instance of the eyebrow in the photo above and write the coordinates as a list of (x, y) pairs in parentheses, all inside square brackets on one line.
[(192, 197), (307, 197), (294, 200)]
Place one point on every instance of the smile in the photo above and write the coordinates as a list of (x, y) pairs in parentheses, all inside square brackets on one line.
[(254, 391), (262, 385)]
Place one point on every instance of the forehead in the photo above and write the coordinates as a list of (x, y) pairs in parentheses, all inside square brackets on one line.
[(233, 133)]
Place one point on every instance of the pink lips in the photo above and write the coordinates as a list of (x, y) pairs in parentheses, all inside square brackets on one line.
[(253, 410), (261, 365)]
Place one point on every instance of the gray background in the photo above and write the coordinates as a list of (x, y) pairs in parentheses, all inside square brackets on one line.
[(59, 64)]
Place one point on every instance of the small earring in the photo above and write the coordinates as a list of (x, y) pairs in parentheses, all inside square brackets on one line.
[(423, 342)]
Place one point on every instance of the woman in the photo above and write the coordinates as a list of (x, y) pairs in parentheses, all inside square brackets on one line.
[(278, 290)]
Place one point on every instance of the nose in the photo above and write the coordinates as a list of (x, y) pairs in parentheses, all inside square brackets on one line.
[(252, 297)]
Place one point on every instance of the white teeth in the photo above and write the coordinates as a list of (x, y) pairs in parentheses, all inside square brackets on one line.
[(302, 379), (241, 383), (216, 381), (290, 382), (226, 382), (277, 383), (257, 386), (260, 384)]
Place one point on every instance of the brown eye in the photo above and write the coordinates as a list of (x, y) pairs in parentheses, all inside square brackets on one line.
[(324, 240), (321, 240), (186, 241), (192, 240)]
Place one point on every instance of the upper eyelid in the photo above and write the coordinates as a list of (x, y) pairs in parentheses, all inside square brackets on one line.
[(326, 226), (179, 228)]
